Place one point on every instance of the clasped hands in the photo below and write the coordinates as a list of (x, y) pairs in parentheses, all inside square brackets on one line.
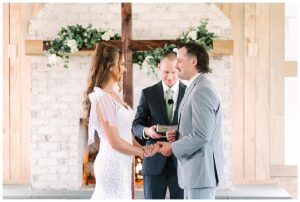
[(162, 147)]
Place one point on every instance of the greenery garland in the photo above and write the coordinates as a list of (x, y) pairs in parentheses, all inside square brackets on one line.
[(148, 59), (73, 38)]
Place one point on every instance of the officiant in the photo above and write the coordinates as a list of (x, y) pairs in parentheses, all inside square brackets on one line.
[(159, 105)]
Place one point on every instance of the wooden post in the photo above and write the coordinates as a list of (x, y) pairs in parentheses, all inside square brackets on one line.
[(126, 47)]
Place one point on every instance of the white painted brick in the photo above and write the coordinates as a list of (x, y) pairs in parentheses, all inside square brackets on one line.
[(47, 130), (58, 154), (48, 146), (47, 162)]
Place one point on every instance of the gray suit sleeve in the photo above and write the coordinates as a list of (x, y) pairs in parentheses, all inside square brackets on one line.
[(203, 104)]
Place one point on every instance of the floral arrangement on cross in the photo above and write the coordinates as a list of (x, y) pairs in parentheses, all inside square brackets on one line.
[(73, 38)]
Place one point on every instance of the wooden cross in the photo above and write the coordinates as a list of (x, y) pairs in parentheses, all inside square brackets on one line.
[(225, 47)]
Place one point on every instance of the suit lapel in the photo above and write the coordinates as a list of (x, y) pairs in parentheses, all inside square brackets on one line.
[(188, 92), (161, 101), (179, 99)]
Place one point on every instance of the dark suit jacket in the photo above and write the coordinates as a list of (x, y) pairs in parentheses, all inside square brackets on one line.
[(152, 111)]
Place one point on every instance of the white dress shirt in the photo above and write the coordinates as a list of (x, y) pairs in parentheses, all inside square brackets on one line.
[(175, 89)]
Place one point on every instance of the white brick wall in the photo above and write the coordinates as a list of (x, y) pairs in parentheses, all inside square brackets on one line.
[(57, 93)]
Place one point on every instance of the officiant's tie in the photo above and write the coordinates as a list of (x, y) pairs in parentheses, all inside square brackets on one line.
[(169, 104)]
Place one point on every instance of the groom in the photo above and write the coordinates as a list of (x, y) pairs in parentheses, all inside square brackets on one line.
[(199, 148)]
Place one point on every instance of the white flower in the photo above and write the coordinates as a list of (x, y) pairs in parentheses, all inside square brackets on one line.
[(105, 36), (192, 34), (146, 66), (52, 58), (72, 43), (111, 33), (147, 58), (175, 50)]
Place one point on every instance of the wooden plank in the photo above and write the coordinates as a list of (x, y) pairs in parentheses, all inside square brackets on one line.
[(262, 82), (249, 92), (277, 28), (237, 20), (34, 47), (126, 44), (28, 10), (221, 46), (283, 171), (6, 106), (226, 8), (126, 11), (290, 69), (15, 82)]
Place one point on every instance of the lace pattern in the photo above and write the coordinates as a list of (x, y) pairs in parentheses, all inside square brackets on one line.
[(113, 170)]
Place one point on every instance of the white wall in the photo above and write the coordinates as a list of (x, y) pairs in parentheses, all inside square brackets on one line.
[(292, 121)]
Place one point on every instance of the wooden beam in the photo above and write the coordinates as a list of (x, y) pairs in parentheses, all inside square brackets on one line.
[(225, 8), (277, 139), (262, 92), (6, 104), (221, 46), (290, 69), (15, 94), (249, 93), (126, 11), (283, 171), (237, 20)]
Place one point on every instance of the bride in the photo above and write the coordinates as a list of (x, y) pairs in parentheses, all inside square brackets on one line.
[(111, 118)]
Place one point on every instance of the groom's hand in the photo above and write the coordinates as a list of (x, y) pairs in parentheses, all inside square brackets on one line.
[(165, 149), (171, 135), (150, 132)]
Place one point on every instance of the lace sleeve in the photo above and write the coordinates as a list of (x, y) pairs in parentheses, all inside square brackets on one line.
[(107, 109)]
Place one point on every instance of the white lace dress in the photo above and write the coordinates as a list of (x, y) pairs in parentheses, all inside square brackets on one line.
[(113, 170)]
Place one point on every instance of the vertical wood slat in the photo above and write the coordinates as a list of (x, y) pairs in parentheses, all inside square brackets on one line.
[(249, 92), (27, 12), (126, 11), (15, 85), (126, 41), (6, 106), (262, 107), (237, 20), (277, 29)]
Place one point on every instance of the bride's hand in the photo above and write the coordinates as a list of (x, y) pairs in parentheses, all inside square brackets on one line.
[(151, 149)]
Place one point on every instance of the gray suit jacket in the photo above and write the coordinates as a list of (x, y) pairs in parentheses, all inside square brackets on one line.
[(199, 149)]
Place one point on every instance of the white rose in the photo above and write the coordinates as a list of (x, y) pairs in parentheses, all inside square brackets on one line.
[(175, 50), (146, 66), (52, 58), (105, 36), (147, 58), (111, 33), (192, 34), (72, 43)]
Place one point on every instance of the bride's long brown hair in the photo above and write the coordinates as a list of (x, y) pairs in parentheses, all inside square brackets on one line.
[(105, 57)]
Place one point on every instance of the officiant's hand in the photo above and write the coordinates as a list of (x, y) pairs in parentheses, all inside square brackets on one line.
[(165, 149), (171, 135), (151, 149), (150, 132)]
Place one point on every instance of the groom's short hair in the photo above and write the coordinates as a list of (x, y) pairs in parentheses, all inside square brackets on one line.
[(169, 54), (198, 51)]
